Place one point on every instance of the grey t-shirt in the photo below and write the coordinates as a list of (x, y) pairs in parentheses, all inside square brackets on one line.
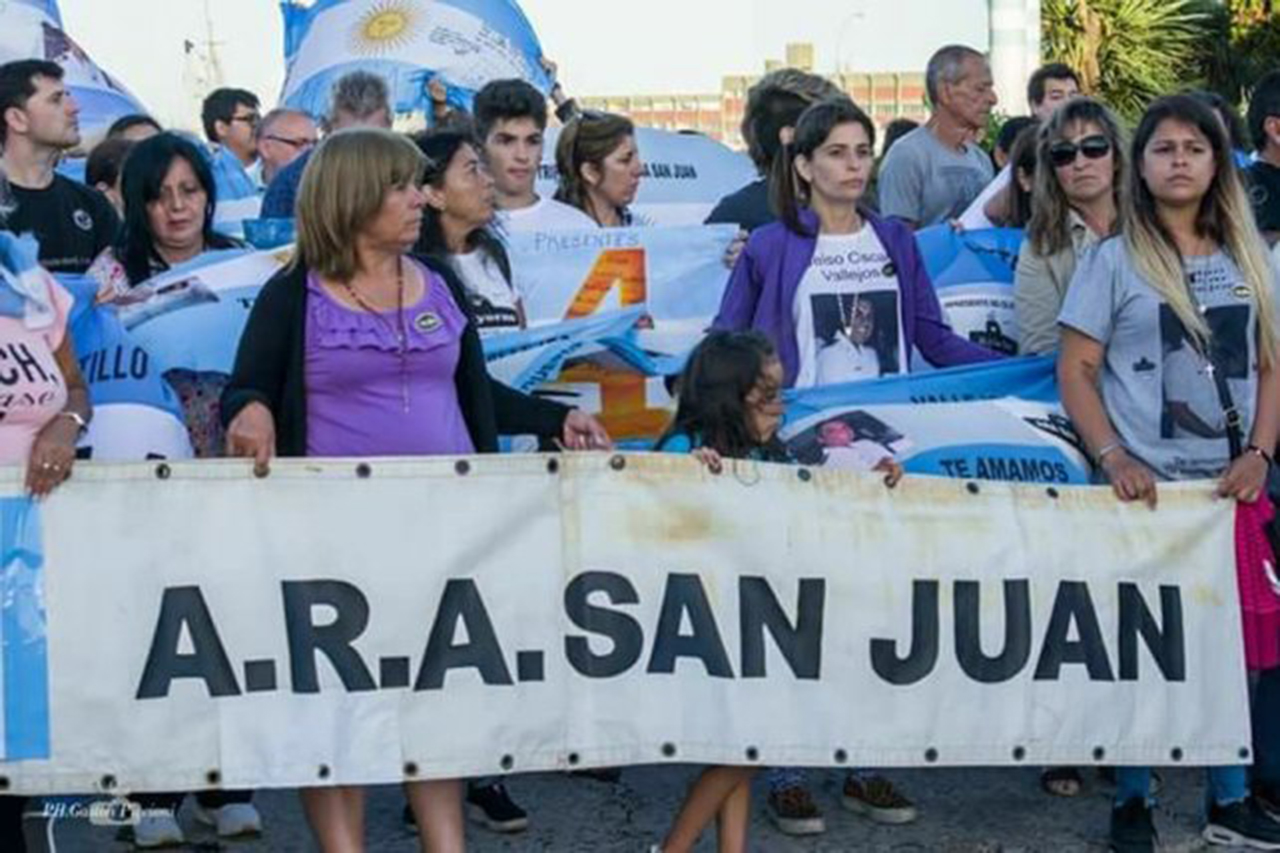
[(1156, 387), (927, 182)]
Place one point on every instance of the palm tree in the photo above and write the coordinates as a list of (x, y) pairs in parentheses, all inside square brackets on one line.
[(1129, 52)]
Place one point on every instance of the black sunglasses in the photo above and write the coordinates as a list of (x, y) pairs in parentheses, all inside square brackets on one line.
[(1063, 153)]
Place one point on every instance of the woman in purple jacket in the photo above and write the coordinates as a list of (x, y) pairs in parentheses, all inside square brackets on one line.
[(843, 294)]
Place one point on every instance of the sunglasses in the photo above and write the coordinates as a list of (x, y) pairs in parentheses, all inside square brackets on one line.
[(1063, 153)]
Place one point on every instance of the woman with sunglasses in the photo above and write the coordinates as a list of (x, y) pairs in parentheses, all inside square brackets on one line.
[(1186, 294), (1078, 179), (600, 167)]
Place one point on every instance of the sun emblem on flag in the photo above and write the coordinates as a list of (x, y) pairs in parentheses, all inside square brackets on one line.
[(386, 27)]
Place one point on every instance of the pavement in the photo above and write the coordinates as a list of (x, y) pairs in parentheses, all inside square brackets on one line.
[(971, 810)]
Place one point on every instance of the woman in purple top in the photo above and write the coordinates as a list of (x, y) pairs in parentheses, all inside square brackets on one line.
[(361, 349), (843, 294)]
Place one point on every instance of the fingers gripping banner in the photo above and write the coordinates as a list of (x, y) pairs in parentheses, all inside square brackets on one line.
[(345, 622)]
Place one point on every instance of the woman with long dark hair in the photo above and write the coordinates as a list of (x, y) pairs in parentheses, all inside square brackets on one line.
[(600, 167), (1080, 174), (1168, 363)]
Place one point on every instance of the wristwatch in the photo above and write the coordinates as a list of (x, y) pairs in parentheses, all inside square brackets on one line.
[(81, 424)]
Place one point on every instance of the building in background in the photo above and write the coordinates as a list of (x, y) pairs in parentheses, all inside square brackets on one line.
[(885, 96)]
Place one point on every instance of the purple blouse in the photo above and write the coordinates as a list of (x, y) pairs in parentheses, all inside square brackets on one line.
[(363, 397)]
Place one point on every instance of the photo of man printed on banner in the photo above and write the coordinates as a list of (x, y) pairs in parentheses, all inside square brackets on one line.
[(1190, 403), (850, 441), (856, 335)]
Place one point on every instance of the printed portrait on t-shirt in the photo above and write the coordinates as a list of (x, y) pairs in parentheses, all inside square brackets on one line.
[(851, 441), (856, 336), (1191, 406)]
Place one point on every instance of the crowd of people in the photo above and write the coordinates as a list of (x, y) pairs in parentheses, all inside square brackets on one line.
[(1145, 269)]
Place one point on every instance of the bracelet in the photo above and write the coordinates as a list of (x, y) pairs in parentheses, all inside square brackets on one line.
[(1258, 451), (81, 423), (1110, 448)]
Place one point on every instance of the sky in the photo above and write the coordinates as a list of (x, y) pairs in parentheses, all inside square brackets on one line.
[(603, 47)]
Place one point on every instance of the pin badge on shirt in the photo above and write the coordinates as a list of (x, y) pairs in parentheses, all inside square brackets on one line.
[(1241, 291), (427, 322)]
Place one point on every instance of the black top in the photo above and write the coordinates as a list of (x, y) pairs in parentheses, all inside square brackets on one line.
[(73, 223), (748, 207), (270, 361), (1264, 193)]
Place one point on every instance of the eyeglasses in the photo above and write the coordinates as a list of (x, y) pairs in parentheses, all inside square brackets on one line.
[(1064, 152), (250, 119), (299, 144)]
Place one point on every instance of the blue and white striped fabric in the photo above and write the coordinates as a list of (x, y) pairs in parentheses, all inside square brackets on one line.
[(32, 29), (466, 43), (238, 196), (24, 682)]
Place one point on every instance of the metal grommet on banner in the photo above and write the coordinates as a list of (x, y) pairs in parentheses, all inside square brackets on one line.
[(507, 762), (1052, 493), (1019, 753), (1243, 753), (163, 471), (213, 777), (668, 750), (108, 782), (1176, 753), (463, 467), (410, 769), (4, 783), (753, 754), (841, 757), (573, 759), (972, 488), (618, 463), (553, 466), (931, 755), (805, 475), (323, 772), (1099, 754), (364, 470)]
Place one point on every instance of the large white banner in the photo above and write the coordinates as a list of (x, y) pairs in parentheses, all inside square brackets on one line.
[(352, 622)]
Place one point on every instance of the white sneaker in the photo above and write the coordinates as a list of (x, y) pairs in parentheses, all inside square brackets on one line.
[(154, 831), (232, 820)]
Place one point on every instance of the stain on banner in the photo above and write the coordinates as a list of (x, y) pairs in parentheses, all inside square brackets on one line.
[(24, 658)]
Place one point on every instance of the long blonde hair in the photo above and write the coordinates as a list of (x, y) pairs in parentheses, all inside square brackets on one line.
[(1225, 216)]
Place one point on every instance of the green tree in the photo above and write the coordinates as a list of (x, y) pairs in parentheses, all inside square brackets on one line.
[(1129, 52)]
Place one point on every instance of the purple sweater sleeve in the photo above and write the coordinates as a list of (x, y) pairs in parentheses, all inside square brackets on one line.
[(741, 296), (933, 336)]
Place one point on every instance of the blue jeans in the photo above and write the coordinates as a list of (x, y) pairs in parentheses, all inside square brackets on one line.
[(1226, 784)]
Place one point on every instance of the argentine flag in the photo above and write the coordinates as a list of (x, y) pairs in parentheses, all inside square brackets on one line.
[(32, 29), (466, 43)]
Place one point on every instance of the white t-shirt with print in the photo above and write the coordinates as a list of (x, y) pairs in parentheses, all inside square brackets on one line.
[(847, 313), (493, 300), (545, 214)]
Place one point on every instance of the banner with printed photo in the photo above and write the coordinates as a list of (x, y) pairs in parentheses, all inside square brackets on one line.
[(576, 621), (33, 29), (685, 174), (1000, 421), (973, 271), (409, 43)]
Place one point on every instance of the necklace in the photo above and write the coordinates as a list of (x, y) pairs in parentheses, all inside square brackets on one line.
[(399, 331)]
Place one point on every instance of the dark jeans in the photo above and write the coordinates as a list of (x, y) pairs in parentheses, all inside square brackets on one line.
[(11, 838), (1266, 729), (207, 799)]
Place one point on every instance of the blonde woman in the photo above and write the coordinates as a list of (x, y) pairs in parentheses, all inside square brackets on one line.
[(1186, 291), (1079, 175)]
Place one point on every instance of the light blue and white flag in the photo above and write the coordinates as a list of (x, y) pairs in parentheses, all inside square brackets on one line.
[(684, 175), (24, 681), (32, 29), (973, 272), (238, 196), (996, 421), (465, 43)]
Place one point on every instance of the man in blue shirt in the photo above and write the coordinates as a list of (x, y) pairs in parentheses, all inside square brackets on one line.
[(230, 118)]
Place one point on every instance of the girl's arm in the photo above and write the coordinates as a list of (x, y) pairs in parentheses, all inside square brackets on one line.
[(1246, 477)]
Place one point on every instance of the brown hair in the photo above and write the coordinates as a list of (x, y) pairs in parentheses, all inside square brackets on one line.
[(343, 187), (589, 138)]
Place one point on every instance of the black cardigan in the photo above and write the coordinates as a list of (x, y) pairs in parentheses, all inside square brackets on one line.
[(270, 370)]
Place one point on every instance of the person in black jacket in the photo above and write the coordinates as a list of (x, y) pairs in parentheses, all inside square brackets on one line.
[(348, 352)]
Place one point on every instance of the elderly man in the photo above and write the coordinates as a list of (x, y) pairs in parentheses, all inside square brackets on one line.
[(932, 174), (283, 135)]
